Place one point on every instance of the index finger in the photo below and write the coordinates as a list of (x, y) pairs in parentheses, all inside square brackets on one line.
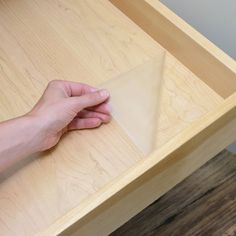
[(78, 89)]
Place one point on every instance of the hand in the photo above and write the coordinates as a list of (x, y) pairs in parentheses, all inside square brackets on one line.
[(67, 106)]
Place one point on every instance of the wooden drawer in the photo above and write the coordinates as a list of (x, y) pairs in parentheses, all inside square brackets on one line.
[(95, 180)]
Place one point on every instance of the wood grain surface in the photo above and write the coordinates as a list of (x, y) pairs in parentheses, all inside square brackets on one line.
[(203, 204), (182, 100), (91, 42)]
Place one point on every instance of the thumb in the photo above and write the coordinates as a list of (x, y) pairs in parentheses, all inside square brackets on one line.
[(89, 99)]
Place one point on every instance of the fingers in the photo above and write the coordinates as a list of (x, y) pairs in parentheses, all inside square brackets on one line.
[(101, 108), (89, 99), (69, 88), (105, 118), (88, 119), (78, 89), (87, 123)]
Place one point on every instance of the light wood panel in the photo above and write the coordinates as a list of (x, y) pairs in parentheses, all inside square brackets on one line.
[(197, 53), (92, 42)]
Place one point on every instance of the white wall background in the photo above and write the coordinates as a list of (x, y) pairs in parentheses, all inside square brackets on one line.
[(215, 19)]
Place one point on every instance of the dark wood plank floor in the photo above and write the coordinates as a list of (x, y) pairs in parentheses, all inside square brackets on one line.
[(203, 204)]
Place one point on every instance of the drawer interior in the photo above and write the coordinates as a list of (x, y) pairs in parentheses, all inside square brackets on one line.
[(93, 42)]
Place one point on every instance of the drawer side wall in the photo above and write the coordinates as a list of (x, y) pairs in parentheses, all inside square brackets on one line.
[(200, 61)]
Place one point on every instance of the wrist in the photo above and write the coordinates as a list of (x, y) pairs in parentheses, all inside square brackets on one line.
[(43, 135), (33, 134)]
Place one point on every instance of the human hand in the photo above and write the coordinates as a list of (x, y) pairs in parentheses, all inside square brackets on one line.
[(66, 106)]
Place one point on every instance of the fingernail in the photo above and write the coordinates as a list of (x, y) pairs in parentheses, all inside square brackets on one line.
[(104, 93)]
